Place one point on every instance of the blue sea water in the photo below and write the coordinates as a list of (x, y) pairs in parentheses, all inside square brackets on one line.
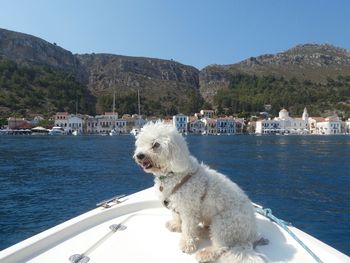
[(48, 180)]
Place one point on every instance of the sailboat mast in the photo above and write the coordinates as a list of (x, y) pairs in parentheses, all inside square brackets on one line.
[(76, 105), (113, 107), (138, 102), (114, 110)]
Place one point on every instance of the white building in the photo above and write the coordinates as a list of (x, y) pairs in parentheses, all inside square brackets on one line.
[(61, 119), (75, 123), (104, 124), (301, 125), (207, 113), (313, 124), (225, 125), (69, 122), (331, 125), (180, 122), (91, 125), (210, 126), (121, 126), (267, 127), (284, 124), (196, 126), (347, 126)]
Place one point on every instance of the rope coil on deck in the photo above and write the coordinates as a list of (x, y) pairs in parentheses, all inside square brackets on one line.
[(267, 212)]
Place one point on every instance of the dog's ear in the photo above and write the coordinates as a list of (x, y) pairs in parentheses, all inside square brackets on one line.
[(178, 154)]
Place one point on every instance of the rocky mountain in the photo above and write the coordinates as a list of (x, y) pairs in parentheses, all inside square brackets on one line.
[(166, 86), (23, 48), (312, 62), (158, 80)]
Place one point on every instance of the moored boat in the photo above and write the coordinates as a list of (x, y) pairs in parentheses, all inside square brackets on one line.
[(132, 229), (76, 133), (113, 132), (40, 131), (56, 130)]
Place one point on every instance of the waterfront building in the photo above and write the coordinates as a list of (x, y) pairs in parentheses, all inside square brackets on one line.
[(225, 125), (75, 123), (61, 119), (210, 126), (121, 126), (15, 123), (106, 123), (267, 127), (284, 121), (347, 126), (69, 122), (207, 113), (129, 121), (331, 125), (180, 122), (91, 124), (300, 125), (196, 126), (284, 124), (36, 120), (111, 115), (239, 125), (313, 124)]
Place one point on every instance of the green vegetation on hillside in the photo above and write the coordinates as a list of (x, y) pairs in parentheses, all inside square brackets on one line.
[(37, 89), (248, 93), (168, 105), (26, 89)]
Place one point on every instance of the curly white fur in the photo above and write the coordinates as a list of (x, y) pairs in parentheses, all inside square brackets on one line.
[(208, 198)]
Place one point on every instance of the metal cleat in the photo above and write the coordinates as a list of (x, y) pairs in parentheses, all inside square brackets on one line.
[(110, 202), (77, 258)]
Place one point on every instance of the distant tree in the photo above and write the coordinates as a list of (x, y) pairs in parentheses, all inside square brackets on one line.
[(46, 123), (250, 93), (3, 122)]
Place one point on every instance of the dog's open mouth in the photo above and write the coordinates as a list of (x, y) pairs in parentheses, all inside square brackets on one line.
[(146, 164)]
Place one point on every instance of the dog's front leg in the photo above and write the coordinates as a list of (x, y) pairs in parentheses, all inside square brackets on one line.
[(189, 237), (174, 225)]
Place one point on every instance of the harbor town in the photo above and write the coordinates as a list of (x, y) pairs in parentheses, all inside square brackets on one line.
[(206, 122)]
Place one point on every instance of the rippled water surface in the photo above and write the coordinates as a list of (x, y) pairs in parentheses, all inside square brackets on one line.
[(47, 180)]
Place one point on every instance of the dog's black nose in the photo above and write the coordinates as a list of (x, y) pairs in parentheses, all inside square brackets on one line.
[(140, 156)]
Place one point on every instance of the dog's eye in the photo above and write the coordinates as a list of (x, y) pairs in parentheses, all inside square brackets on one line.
[(155, 145)]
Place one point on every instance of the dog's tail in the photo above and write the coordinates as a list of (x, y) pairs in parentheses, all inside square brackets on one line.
[(242, 254)]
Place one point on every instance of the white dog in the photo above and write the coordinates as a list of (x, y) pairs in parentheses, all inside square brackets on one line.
[(198, 195)]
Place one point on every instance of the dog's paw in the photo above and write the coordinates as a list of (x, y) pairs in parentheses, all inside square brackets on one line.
[(205, 255), (173, 226), (188, 245)]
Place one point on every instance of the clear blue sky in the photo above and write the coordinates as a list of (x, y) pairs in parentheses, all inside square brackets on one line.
[(193, 32)]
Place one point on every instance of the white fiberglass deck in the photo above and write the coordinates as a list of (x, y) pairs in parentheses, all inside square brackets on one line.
[(143, 237)]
